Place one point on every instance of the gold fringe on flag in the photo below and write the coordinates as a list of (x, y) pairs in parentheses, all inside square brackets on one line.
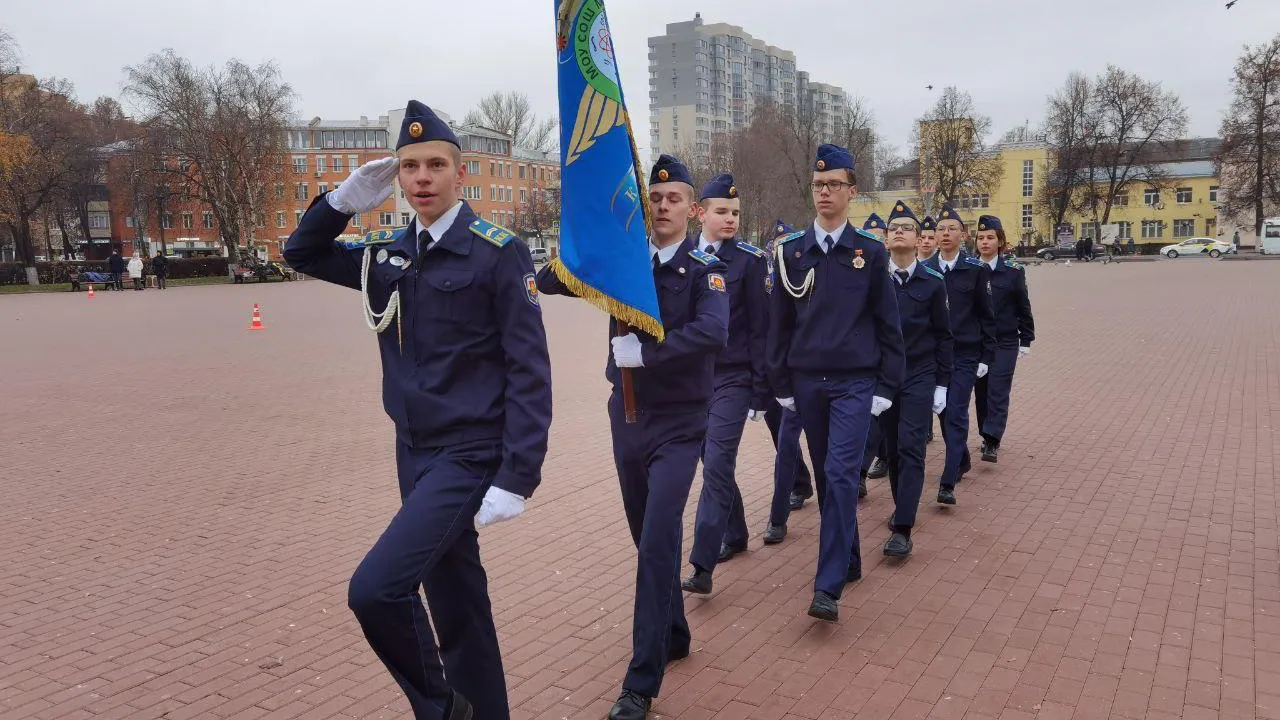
[(627, 314)]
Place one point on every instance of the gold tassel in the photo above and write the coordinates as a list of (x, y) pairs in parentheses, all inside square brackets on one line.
[(627, 314)]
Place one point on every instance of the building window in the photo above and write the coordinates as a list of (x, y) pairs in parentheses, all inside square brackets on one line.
[(1150, 197), (1184, 228), (493, 192), (337, 164), (1089, 231), (208, 220), (98, 221), (1184, 196), (522, 172), (322, 188), (299, 163), (320, 164), (493, 168), (404, 218), (301, 192), (524, 196), (1124, 230), (297, 217), (386, 219), (1120, 200), (355, 220), (1152, 229), (279, 191), (473, 167), (1028, 217), (1028, 178), (279, 219), (353, 161), (166, 221), (1213, 193), (187, 221), (129, 222)]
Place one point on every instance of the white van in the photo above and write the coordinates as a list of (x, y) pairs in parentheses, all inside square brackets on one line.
[(1270, 243)]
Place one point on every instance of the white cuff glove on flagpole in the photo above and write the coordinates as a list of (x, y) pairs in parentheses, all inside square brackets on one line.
[(939, 399), (1023, 351), (498, 505), (626, 351), (755, 415), (787, 403), (879, 405), (367, 188), (982, 369)]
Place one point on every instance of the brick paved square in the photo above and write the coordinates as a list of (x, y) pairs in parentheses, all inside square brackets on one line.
[(183, 502)]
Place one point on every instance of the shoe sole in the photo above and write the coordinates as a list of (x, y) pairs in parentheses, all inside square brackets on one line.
[(694, 591), (946, 502), (778, 541), (897, 555), (818, 614), (990, 459)]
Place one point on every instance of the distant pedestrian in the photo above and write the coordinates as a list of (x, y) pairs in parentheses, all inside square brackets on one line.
[(1235, 241), (135, 271), (115, 266), (160, 266)]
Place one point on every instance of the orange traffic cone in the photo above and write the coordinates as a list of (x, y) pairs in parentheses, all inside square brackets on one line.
[(90, 291), (257, 319)]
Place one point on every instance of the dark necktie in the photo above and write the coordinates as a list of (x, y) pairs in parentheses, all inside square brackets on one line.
[(946, 269), (830, 242), (710, 250), (656, 263), (902, 276), (424, 241)]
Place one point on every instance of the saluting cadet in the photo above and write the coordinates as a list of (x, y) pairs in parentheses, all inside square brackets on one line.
[(928, 238), (836, 356), (657, 456), (741, 389), (467, 383), (926, 334), (973, 328), (1015, 330)]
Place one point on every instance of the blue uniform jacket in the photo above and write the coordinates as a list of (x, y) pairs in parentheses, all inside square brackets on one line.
[(678, 372), (926, 325), (469, 358), (848, 323), (1012, 304), (747, 275), (973, 323)]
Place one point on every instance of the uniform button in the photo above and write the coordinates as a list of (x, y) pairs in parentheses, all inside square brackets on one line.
[(448, 283)]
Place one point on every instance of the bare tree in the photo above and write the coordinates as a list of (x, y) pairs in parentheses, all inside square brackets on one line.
[(950, 143), (539, 209), (218, 135), (1071, 128), (511, 114), (856, 131), (1249, 162)]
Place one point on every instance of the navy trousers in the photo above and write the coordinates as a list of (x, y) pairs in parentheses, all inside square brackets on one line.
[(432, 542), (876, 446), (955, 420), (992, 393), (906, 433), (721, 517), (835, 413), (656, 458), (789, 471)]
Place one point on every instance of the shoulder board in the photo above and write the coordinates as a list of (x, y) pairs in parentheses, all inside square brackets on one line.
[(495, 234), (750, 249), (972, 260), (377, 237), (866, 235), (789, 238), (704, 258), (930, 271), (1012, 264)]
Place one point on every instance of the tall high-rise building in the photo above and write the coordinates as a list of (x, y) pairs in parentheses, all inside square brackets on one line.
[(708, 79)]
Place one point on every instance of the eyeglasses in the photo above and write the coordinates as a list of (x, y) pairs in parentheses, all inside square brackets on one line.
[(833, 186), (903, 227)]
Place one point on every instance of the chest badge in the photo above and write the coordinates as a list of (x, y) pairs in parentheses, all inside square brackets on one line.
[(397, 261), (382, 256), (680, 270), (858, 262)]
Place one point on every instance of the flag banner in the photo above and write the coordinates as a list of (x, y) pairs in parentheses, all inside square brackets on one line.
[(604, 237)]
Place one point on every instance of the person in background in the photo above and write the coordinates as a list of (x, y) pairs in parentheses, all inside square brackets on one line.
[(160, 266), (115, 266), (135, 270)]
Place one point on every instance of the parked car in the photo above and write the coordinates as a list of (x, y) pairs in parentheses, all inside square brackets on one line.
[(539, 255), (1196, 247), (264, 272), (1063, 250)]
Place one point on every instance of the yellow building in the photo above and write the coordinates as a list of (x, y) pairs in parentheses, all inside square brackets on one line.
[(1183, 204)]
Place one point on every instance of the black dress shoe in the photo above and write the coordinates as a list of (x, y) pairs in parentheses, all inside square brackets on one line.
[(862, 488), (727, 551), (879, 469), (990, 452), (774, 534), (946, 496), (459, 708), (854, 573), (898, 546), (824, 607), (699, 583), (677, 653), (890, 522), (631, 705), (965, 465), (796, 501)]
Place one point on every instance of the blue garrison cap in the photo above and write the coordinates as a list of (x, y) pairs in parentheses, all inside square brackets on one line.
[(780, 228), (833, 157), (421, 125), (873, 223), (902, 210), (669, 169), (949, 213), (720, 186), (928, 224), (989, 222)]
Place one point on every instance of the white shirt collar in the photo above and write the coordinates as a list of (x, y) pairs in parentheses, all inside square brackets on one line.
[(946, 264), (441, 226), (992, 263), (821, 235), (703, 242), (665, 254), (911, 269)]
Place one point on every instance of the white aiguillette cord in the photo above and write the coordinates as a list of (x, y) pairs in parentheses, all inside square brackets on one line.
[(376, 321), (781, 266)]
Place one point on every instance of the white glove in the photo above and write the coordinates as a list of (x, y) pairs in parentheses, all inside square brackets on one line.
[(367, 188), (939, 399), (787, 403), (879, 405), (982, 369), (755, 415), (498, 505), (626, 351), (1023, 351)]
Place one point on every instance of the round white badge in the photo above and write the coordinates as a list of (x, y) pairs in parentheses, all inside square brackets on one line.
[(397, 261), (382, 256)]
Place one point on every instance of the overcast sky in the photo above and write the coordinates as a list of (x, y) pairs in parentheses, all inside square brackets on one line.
[(347, 59)]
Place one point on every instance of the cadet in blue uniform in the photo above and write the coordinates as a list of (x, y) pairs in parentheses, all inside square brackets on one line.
[(741, 389), (467, 382), (1015, 331), (792, 483), (657, 456), (874, 226), (926, 333), (836, 356), (928, 238), (973, 328), (873, 458)]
